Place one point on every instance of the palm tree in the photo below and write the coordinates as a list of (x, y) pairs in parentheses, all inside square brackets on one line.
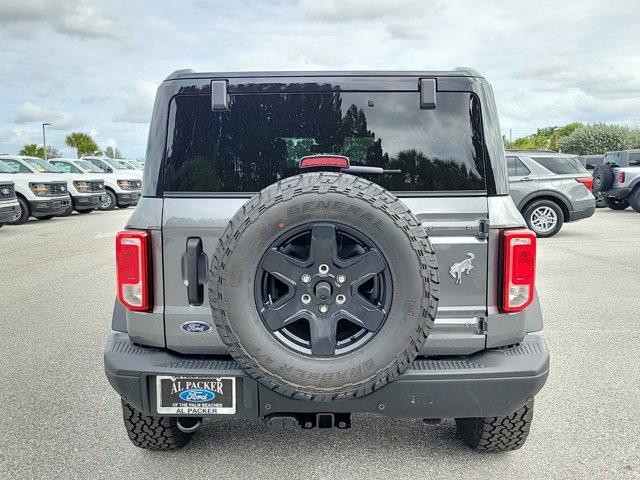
[(82, 142), (32, 150)]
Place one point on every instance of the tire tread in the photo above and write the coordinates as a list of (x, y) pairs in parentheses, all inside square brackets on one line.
[(323, 183)]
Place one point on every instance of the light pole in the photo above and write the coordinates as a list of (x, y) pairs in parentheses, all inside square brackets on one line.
[(44, 141)]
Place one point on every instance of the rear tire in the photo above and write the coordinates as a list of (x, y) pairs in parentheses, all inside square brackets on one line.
[(497, 434), (616, 203), (153, 433), (24, 213), (634, 199), (544, 217)]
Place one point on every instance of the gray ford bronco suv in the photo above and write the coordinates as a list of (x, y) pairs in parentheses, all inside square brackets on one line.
[(313, 244), (617, 179)]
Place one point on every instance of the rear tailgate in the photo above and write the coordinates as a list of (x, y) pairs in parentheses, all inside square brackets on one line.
[(457, 228)]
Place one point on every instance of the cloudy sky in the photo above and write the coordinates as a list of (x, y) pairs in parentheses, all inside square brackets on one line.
[(93, 65)]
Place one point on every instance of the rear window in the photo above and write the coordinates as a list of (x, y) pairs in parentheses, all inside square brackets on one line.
[(261, 139), (561, 165)]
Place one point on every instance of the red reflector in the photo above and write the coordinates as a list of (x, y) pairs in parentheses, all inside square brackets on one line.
[(337, 161), (519, 273), (622, 177), (132, 269), (586, 181)]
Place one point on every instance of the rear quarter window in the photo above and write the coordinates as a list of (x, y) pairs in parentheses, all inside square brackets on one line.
[(561, 165), (262, 137)]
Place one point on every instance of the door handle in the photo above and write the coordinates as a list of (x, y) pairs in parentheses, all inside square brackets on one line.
[(195, 271), (526, 179)]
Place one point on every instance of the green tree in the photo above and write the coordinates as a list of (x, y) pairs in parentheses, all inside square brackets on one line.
[(33, 150), (597, 138), (82, 142), (560, 132), (113, 152)]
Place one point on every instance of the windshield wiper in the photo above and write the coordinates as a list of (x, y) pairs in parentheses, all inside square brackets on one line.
[(365, 169)]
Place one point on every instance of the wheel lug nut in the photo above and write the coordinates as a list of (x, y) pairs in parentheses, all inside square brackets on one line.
[(323, 309), (323, 269), (340, 299), (306, 278), (341, 278), (306, 299)]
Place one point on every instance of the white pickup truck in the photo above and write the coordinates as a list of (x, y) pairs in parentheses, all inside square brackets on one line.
[(121, 189), (39, 195), (87, 193)]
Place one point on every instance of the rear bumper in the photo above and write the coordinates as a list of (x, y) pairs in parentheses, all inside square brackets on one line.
[(488, 383), (128, 198), (580, 214), (618, 193), (43, 208), (8, 210)]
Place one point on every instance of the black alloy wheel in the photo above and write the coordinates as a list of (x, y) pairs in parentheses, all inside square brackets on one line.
[(325, 289)]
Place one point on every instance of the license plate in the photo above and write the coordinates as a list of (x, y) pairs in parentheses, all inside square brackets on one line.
[(196, 395)]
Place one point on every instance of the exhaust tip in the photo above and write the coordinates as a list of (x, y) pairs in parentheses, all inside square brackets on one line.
[(188, 424)]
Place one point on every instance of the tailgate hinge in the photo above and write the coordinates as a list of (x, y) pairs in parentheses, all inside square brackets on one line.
[(483, 325), (483, 228)]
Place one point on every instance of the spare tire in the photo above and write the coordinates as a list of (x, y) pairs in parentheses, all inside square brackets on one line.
[(602, 178), (324, 286)]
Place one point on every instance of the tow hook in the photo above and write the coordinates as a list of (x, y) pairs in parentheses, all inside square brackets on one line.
[(189, 424)]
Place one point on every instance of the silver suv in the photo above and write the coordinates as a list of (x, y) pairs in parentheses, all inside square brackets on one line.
[(312, 244), (549, 189), (618, 179)]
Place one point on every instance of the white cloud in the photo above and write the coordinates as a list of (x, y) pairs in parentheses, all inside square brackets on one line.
[(28, 112), (138, 104), (79, 18)]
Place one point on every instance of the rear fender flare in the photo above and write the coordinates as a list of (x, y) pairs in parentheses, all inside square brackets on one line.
[(560, 199)]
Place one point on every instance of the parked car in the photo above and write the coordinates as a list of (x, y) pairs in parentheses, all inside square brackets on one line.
[(590, 162), (121, 189), (9, 206), (87, 193), (618, 179), (111, 165), (39, 195), (279, 283), (549, 189), (134, 163)]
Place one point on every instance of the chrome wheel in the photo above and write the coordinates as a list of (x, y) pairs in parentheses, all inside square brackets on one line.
[(544, 219), (106, 205)]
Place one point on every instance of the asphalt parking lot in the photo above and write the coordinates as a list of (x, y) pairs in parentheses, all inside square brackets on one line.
[(61, 419)]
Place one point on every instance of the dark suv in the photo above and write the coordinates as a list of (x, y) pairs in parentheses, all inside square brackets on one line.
[(309, 245)]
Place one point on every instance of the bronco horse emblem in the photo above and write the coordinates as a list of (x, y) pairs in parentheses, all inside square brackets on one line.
[(457, 269)]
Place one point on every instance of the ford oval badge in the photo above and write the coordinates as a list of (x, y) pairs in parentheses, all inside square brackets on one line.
[(197, 396), (196, 327)]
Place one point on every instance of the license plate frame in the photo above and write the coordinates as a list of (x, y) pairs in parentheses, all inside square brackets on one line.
[(195, 395)]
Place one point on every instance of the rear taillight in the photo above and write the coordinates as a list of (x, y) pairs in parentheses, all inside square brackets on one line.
[(132, 265), (586, 181), (622, 177), (519, 273)]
